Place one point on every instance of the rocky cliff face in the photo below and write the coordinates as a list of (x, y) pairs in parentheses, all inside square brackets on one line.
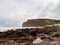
[(39, 22)]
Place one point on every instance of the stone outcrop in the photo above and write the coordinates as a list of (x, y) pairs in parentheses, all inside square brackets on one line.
[(27, 35)]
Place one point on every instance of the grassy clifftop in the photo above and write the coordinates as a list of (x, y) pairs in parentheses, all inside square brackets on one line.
[(39, 22)]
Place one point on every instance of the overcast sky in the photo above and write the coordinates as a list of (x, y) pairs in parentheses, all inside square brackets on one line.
[(14, 12)]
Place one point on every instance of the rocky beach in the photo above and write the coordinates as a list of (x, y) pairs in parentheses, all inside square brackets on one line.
[(45, 35)]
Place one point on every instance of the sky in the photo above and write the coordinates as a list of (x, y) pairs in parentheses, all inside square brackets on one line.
[(14, 12)]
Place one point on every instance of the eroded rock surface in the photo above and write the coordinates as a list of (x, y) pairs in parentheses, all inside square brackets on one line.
[(26, 36)]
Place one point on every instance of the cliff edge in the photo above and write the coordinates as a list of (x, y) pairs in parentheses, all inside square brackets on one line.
[(39, 22)]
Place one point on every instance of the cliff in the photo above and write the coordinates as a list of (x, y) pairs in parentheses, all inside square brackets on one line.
[(39, 22)]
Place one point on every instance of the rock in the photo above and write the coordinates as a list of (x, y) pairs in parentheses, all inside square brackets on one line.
[(38, 40)]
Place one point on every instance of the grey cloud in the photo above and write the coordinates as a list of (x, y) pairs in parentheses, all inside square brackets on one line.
[(14, 12)]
